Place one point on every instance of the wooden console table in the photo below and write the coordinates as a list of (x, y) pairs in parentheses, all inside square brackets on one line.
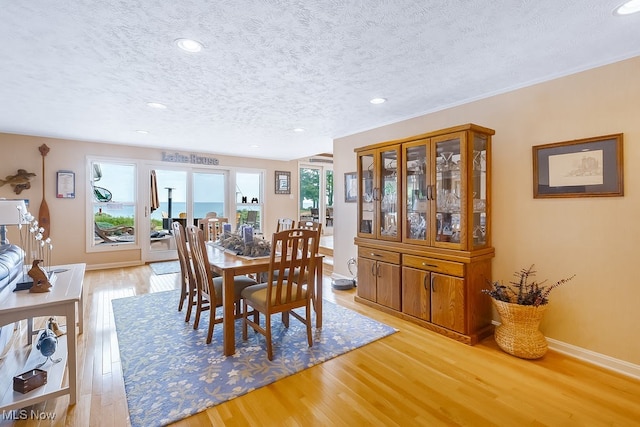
[(61, 301)]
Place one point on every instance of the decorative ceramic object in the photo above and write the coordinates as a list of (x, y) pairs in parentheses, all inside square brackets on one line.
[(40, 277)]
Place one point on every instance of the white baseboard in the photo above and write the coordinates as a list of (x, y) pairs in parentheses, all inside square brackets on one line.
[(607, 362), (602, 360), (114, 265)]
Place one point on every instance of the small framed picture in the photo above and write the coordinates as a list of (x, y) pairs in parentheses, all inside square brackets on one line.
[(66, 185), (590, 167), (350, 187), (283, 182)]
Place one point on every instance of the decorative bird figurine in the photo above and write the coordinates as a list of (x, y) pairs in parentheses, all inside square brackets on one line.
[(19, 181), (40, 277), (47, 344)]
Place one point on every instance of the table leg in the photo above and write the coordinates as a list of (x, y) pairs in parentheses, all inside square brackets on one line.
[(80, 312), (29, 330), (72, 362), (318, 295), (228, 321)]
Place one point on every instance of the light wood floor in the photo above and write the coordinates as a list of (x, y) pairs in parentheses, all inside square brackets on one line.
[(414, 377)]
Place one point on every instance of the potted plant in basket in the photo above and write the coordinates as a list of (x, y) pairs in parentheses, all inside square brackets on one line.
[(521, 305)]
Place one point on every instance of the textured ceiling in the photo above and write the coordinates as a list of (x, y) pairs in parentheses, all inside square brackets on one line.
[(85, 69)]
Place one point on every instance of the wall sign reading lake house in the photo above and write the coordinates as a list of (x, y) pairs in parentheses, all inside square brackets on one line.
[(191, 158)]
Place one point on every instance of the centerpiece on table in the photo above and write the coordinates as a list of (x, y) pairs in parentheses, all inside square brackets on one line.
[(521, 305), (245, 243)]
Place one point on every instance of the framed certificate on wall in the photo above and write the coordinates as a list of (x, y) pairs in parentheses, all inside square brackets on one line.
[(66, 185)]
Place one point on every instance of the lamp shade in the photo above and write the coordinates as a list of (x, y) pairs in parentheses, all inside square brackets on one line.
[(12, 212)]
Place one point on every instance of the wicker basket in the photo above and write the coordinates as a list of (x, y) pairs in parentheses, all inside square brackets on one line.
[(518, 334)]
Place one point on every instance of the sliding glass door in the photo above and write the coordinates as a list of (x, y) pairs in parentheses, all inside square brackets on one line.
[(170, 190), (179, 194), (316, 195)]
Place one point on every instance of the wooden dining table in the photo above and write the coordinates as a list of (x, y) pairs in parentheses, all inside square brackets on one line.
[(228, 266)]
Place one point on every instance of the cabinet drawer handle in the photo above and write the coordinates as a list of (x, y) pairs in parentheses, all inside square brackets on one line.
[(428, 265), (425, 282), (433, 286), (376, 255), (429, 193)]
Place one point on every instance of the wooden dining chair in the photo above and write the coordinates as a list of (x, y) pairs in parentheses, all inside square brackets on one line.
[(188, 283), (314, 226), (281, 293), (212, 227), (317, 227), (215, 228), (285, 224), (209, 288)]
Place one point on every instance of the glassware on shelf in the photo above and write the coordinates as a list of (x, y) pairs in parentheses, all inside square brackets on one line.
[(479, 205), (455, 233), (417, 226), (448, 201), (448, 164)]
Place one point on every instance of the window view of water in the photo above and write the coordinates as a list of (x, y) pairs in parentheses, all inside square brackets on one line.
[(127, 209)]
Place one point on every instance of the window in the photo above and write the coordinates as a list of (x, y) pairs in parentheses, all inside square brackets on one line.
[(113, 203), (249, 199), (209, 191)]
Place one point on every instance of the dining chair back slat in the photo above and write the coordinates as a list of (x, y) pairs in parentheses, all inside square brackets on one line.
[(187, 280)]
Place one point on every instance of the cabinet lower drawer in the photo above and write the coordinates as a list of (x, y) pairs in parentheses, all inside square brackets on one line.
[(433, 264), (378, 255)]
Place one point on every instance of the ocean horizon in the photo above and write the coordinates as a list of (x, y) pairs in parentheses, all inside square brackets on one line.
[(127, 209)]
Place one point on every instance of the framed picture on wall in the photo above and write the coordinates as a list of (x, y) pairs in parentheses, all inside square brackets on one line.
[(350, 187), (590, 167), (283, 182), (66, 185)]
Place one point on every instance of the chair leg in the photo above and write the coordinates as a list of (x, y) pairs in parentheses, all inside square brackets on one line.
[(190, 306), (183, 296), (268, 329), (285, 319), (244, 320), (308, 323), (196, 322), (212, 319)]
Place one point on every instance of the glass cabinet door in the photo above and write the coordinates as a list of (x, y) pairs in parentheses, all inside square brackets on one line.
[(366, 195), (388, 194), (449, 191), (480, 184), (416, 192)]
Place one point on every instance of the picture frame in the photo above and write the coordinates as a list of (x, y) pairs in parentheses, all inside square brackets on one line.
[(590, 167), (283, 182), (65, 185), (351, 187)]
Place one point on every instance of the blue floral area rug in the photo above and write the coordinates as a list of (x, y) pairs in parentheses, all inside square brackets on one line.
[(170, 373), (166, 267)]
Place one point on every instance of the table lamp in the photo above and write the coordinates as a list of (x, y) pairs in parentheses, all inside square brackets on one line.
[(11, 213)]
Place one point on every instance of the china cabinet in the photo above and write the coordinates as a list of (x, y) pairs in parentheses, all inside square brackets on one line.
[(424, 208)]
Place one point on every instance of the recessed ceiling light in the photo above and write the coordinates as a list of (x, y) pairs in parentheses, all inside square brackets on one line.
[(628, 8), (378, 100), (298, 130), (142, 131), (188, 45), (156, 105), (254, 146)]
